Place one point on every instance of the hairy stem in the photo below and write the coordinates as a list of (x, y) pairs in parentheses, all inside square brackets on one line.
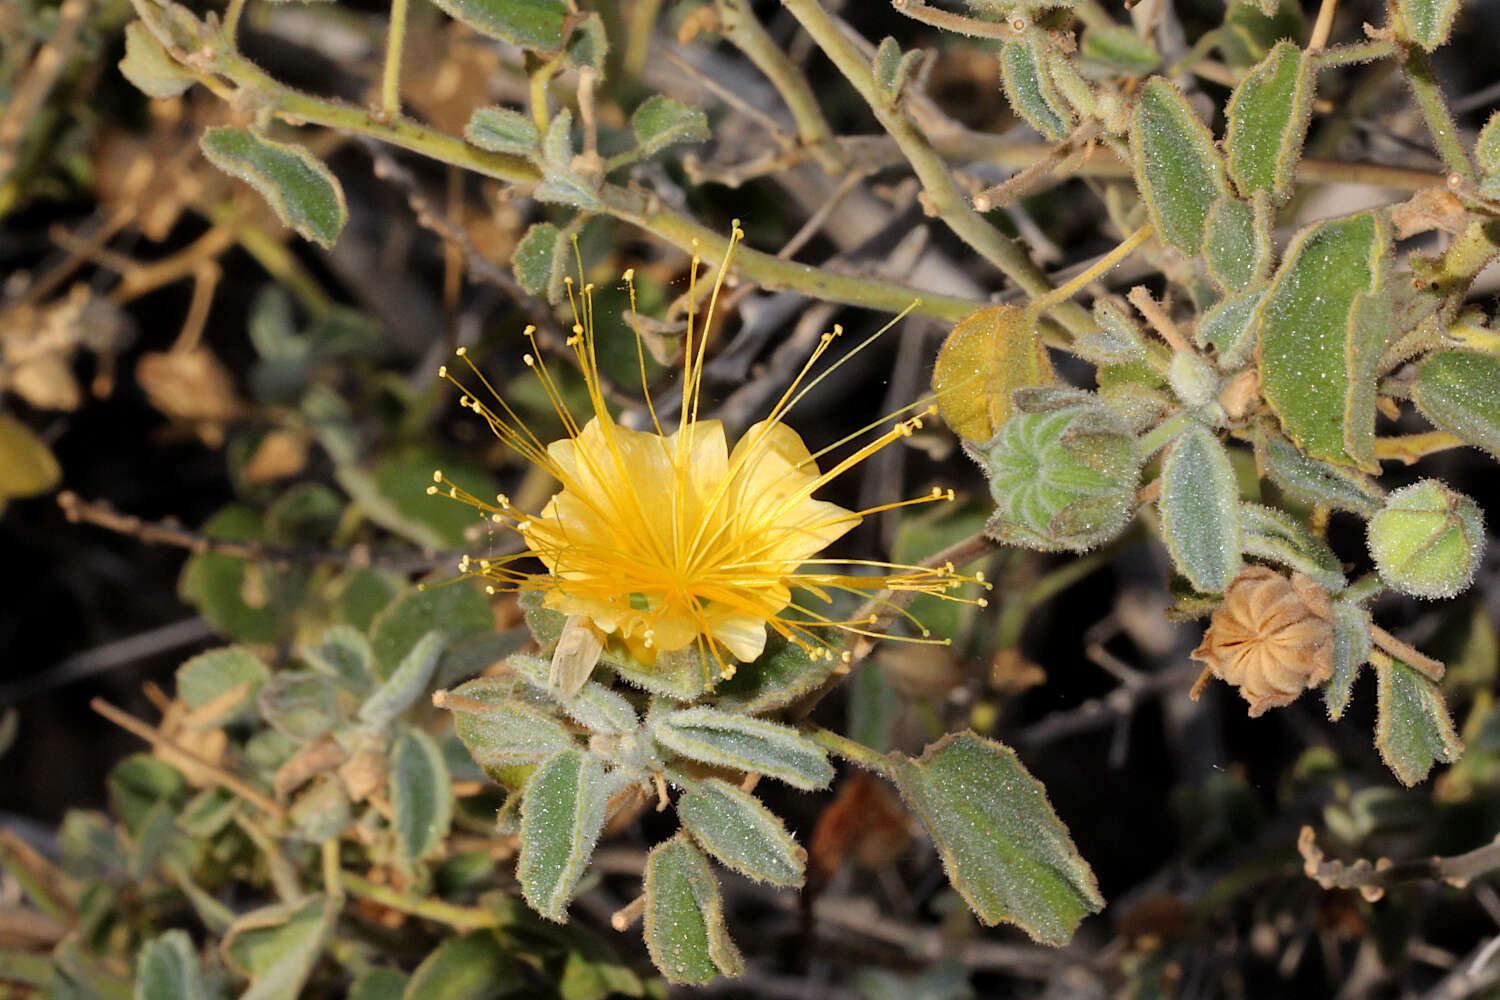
[(851, 750), (1417, 66)]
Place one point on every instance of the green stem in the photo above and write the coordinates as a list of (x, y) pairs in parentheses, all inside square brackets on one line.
[(390, 77), (1366, 587), (1092, 273), (638, 46), (463, 918), (1348, 55), (1417, 66), (681, 231), (851, 750), (232, 22), (943, 193), (1200, 50), (740, 25), (1160, 435)]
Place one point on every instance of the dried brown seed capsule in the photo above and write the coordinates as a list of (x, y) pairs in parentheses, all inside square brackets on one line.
[(1272, 638)]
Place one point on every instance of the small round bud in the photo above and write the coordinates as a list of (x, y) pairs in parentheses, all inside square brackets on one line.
[(1193, 379), (1427, 540)]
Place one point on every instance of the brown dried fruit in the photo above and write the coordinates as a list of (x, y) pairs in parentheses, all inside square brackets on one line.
[(191, 386), (1272, 638)]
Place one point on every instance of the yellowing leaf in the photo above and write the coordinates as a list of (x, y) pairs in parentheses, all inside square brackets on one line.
[(27, 467), (986, 358)]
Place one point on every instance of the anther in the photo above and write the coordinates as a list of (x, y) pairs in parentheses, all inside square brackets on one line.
[(982, 602), (629, 274), (489, 589), (461, 351), (529, 360), (432, 491), (442, 371), (437, 475)]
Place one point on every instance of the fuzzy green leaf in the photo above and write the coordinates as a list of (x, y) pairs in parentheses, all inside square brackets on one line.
[(562, 812), (595, 707), (588, 43), (303, 192), (661, 122), (1312, 339), (302, 704), (1117, 340), (218, 584), (1276, 536), (781, 674), (684, 918), (1120, 49), (1459, 391), (1426, 22), (1200, 511), (1412, 728), (1177, 170), (1351, 648), (501, 130), (407, 682), (1236, 249), (531, 24), (743, 834), (1229, 328), (457, 608), (1311, 481), (378, 983), (277, 946), (1487, 149), (149, 67), (503, 733), (1030, 90), (471, 967), (421, 799), (1268, 115), (745, 743), (892, 68), (214, 676), (168, 969), (1003, 847), (344, 655), (537, 261)]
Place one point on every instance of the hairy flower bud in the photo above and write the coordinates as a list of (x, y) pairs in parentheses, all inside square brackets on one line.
[(1063, 472), (1427, 539), (1272, 638)]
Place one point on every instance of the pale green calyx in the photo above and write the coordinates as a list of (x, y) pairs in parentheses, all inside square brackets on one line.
[(1427, 540), (1063, 472)]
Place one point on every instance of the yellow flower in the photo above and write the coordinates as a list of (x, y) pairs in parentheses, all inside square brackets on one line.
[(660, 541)]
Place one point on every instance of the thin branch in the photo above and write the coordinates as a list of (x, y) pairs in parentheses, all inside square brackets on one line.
[(174, 752), (1373, 878), (169, 532), (948, 201)]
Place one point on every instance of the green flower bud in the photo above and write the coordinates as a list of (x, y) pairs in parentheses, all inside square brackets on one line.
[(1427, 540), (1063, 472), (1193, 379)]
